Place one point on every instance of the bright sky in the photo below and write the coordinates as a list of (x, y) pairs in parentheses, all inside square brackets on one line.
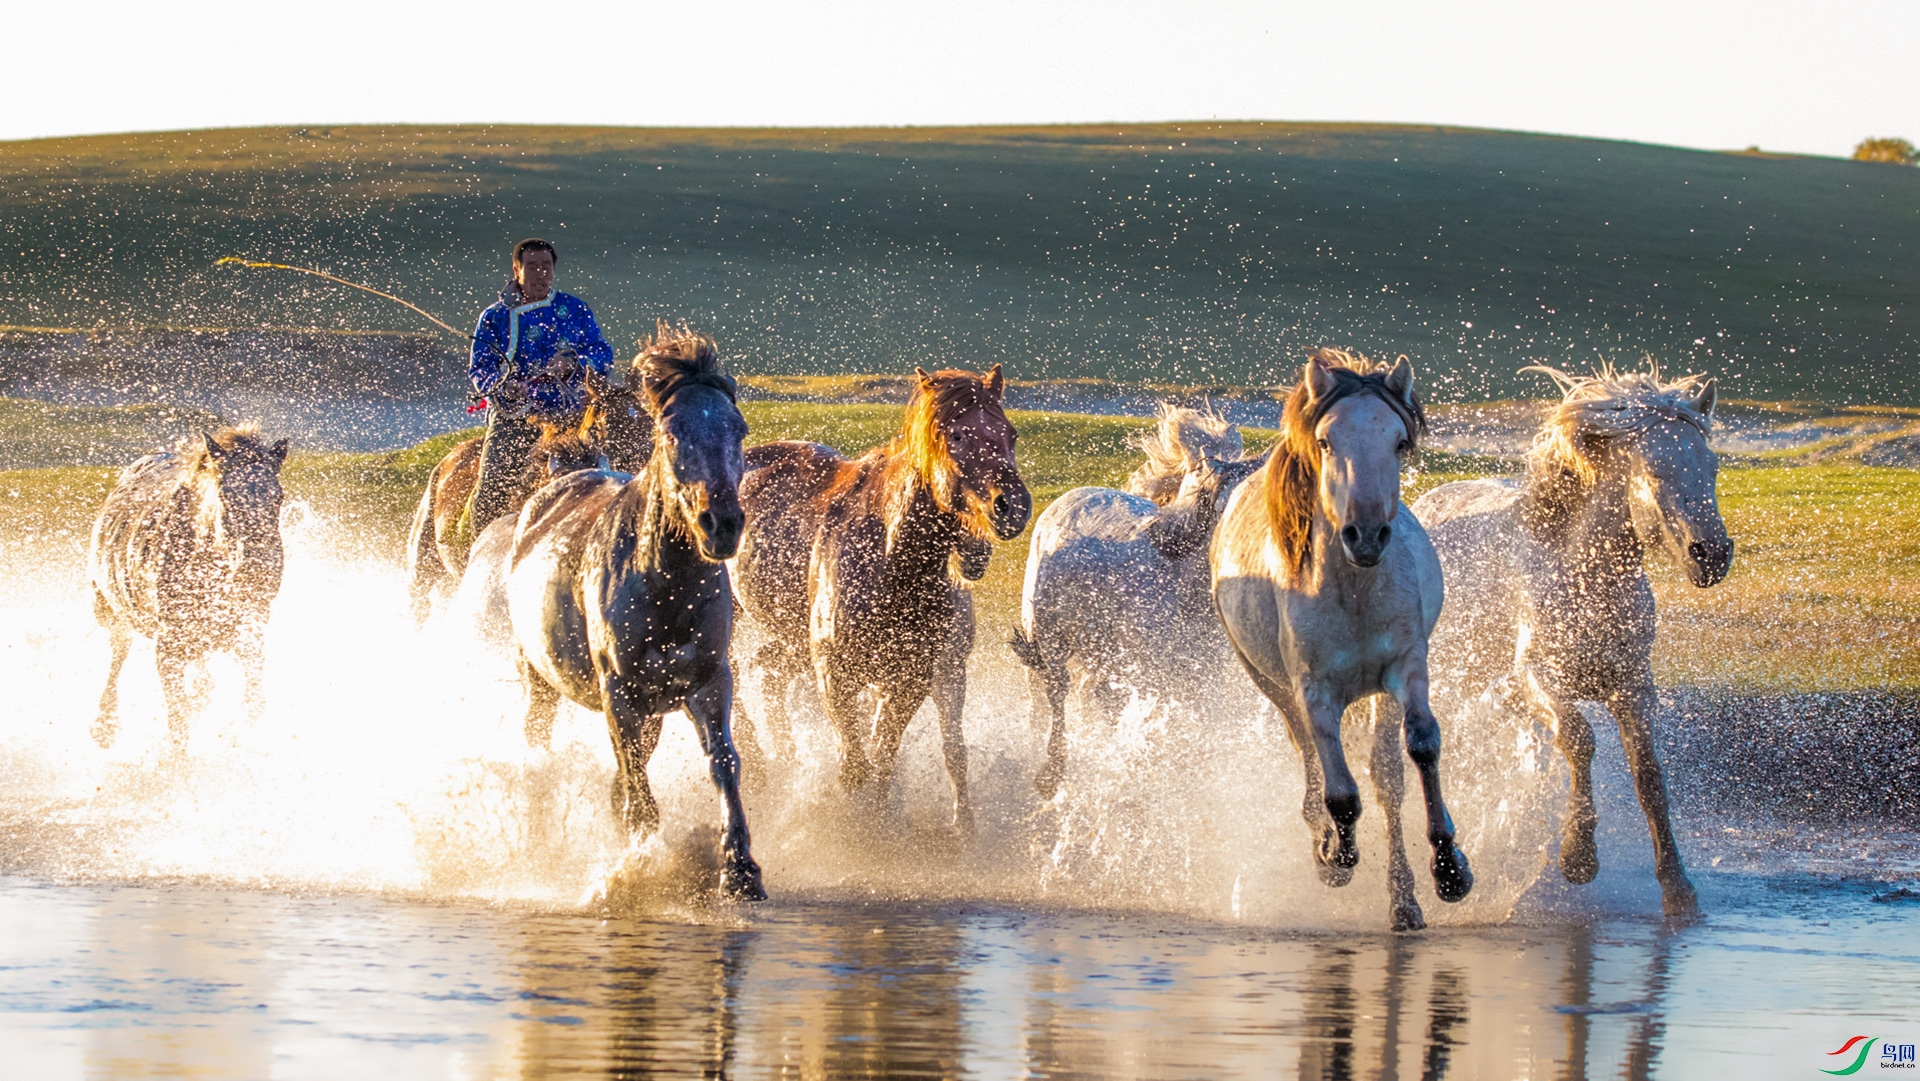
[(1813, 76)]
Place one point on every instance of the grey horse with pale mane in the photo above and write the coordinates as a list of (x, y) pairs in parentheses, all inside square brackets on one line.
[(1118, 594), (1546, 588), (187, 552), (1328, 588)]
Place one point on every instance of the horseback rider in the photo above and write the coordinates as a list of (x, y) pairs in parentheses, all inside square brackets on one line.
[(531, 353)]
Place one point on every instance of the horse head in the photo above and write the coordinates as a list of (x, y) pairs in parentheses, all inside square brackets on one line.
[(618, 423), (246, 471), (1671, 490), (567, 445), (697, 437), (1362, 419), (962, 442), (1644, 437)]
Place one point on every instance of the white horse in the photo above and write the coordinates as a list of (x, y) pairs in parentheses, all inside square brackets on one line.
[(1547, 584), (1118, 595), (1328, 588)]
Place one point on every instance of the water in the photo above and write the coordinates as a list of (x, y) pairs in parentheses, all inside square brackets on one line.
[(151, 980), (379, 878)]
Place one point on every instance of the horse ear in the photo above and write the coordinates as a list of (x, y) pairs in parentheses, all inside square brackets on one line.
[(996, 383), (921, 374), (1703, 403), (1400, 379), (214, 450), (1318, 379), (279, 451)]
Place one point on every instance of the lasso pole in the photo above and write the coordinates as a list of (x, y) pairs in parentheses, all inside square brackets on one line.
[(356, 285)]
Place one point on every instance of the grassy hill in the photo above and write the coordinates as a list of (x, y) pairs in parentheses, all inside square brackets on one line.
[(1186, 253)]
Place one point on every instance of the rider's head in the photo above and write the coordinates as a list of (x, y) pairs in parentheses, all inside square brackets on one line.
[(533, 261)]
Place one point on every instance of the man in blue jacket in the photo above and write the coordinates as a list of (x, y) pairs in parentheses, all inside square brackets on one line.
[(530, 356)]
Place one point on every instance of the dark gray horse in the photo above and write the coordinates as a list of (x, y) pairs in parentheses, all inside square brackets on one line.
[(187, 552), (619, 596)]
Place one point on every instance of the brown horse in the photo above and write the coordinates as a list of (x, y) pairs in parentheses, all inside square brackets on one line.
[(849, 566), (187, 552), (614, 427), (618, 590)]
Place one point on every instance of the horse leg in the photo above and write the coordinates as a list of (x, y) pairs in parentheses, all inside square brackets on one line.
[(1390, 788), (950, 700), (1312, 804), (250, 648), (1633, 709), (897, 706), (841, 697), (708, 707), (635, 735), (542, 702), (1047, 683), (1337, 854), (107, 724), (753, 760), (782, 668), (1452, 878), (1579, 857), (424, 567), (172, 658)]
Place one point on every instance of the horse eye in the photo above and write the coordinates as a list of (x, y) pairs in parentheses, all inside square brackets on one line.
[(1322, 442), (1402, 448)]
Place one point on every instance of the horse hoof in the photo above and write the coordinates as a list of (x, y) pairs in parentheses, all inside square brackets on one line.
[(1047, 783), (1408, 917), (1681, 905), (1452, 878), (1335, 871), (741, 880), (1579, 865), (104, 730)]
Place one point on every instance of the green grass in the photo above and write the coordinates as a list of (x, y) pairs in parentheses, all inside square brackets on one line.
[(1189, 253), (1824, 595)]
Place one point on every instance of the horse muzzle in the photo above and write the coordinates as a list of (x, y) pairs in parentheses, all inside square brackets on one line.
[(1364, 545), (1009, 511), (719, 527), (1709, 561)]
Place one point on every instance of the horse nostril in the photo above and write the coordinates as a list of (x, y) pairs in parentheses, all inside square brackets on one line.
[(1350, 534), (1001, 504), (1386, 533), (706, 521)]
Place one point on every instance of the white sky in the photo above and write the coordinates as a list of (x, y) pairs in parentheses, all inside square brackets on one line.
[(1813, 77)]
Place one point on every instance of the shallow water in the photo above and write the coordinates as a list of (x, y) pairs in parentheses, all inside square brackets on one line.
[(126, 980), (380, 878)]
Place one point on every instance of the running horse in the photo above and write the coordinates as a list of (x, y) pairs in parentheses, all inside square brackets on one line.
[(614, 426), (1118, 593), (1550, 599), (618, 590), (1328, 589), (187, 552), (856, 568)]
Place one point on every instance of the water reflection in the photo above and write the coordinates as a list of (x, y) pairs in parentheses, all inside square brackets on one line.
[(133, 982)]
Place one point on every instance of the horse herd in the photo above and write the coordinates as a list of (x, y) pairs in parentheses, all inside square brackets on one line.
[(647, 529)]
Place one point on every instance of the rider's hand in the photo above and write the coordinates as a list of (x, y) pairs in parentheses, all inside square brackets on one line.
[(563, 365), (509, 396)]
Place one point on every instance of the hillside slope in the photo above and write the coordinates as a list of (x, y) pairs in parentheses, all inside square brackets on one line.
[(1178, 253)]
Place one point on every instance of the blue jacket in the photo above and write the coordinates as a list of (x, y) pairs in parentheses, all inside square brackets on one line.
[(521, 338)]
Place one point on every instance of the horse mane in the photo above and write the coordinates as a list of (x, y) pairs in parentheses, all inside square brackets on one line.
[(1293, 470), (921, 444), (675, 358), (1608, 404), (239, 440), (1180, 437)]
